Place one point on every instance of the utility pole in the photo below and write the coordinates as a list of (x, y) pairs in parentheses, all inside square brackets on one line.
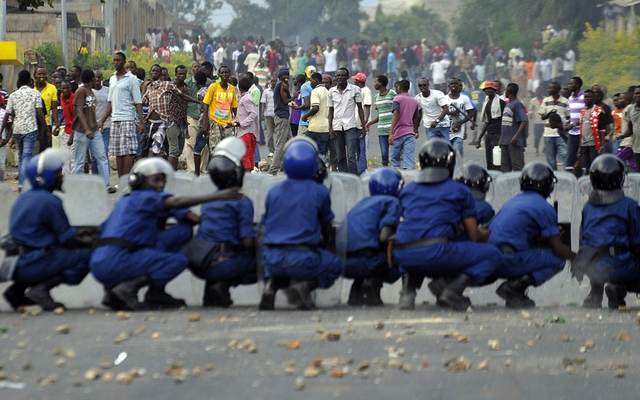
[(273, 29), (65, 44), (3, 20), (108, 24)]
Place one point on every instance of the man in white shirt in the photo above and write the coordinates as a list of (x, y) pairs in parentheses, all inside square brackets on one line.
[(344, 100), (434, 111), (461, 111), (545, 70), (234, 57), (569, 64), (268, 112), (219, 56), (330, 60), (360, 80), (438, 70)]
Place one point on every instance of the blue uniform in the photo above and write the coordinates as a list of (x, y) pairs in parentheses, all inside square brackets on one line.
[(436, 210), (520, 223), (228, 222), (39, 222), (137, 218), (484, 212), (618, 225), (295, 212), (363, 224)]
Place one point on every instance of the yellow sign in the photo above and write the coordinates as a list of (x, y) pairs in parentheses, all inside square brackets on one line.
[(11, 53)]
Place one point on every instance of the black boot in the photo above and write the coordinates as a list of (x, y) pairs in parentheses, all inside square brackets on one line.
[(216, 294), (268, 300), (15, 296), (437, 285), (513, 292), (39, 293), (452, 293), (410, 284), (114, 303), (300, 293), (616, 294), (355, 295), (594, 298), (157, 297), (127, 292), (371, 291)]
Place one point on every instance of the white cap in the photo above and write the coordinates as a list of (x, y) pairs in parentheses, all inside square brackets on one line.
[(233, 148)]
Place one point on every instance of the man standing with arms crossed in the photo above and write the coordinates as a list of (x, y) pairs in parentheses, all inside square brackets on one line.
[(282, 132), (123, 103)]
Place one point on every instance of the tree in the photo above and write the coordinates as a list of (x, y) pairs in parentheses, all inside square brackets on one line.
[(609, 60), (24, 5), (414, 24), (302, 18), (193, 11), (507, 22)]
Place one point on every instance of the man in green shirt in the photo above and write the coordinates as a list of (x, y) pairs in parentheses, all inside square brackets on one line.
[(302, 61), (193, 115), (384, 103)]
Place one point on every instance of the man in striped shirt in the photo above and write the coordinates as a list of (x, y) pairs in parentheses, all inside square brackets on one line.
[(384, 103), (576, 104)]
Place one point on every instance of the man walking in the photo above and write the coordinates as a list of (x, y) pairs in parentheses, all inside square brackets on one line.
[(492, 110), (193, 116), (344, 100), (25, 106), (220, 106), (513, 137), (123, 103), (433, 111)]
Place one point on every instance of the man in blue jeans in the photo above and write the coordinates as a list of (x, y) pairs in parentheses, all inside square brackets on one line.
[(343, 101), (318, 125), (102, 93), (25, 106), (404, 127), (85, 129), (433, 111)]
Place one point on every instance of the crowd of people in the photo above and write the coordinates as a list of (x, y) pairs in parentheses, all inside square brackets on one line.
[(217, 115)]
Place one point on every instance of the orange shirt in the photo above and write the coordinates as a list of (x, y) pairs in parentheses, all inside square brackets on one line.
[(617, 120), (530, 70), (374, 52)]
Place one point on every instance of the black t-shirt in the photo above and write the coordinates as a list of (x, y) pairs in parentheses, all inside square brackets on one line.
[(495, 125)]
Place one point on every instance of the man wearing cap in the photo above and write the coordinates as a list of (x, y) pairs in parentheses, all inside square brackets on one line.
[(492, 110), (282, 131), (363, 150), (433, 111), (344, 100)]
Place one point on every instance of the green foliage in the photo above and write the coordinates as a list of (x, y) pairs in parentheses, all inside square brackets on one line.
[(414, 24), (556, 47), (609, 60), (196, 12), (24, 5), (302, 18), (505, 22), (143, 61), (52, 53)]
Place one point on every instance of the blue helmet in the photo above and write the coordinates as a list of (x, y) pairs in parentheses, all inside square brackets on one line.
[(385, 180), (41, 169), (300, 156)]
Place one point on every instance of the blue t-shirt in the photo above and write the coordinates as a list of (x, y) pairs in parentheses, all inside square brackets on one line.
[(367, 218), (434, 210), (391, 63), (522, 220), (208, 51), (294, 212), (512, 115), (616, 224), (137, 216), (484, 212), (227, 221), (38, 220), (305, 91)]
